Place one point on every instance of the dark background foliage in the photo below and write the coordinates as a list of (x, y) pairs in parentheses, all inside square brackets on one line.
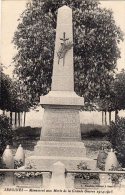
[(117, 138), (6, 133)]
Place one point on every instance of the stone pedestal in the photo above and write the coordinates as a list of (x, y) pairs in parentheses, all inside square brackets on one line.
[(61, 149), (60, 136), (61, 121), (70, 153)]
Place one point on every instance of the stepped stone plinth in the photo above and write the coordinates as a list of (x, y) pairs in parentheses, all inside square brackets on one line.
[(60, 136)]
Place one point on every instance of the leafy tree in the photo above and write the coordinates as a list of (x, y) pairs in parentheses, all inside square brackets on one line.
[(96, 39), (106, 102), (19, 100), (119, 90), (4, 90), (117, 138), (10, 93), (6, 133), (115, 97)]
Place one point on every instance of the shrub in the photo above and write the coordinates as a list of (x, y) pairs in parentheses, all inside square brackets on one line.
[(27, 132), (18, 163), (23, 175), (94, 131), (101, 159), (6, 133), (2, 174), (115, 177), (83, 166), (117, 138)]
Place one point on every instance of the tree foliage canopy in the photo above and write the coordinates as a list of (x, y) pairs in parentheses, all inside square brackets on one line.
[(6, 133), (96, 39), (119, 90), (115, 98), (10, 99), (117, 138)]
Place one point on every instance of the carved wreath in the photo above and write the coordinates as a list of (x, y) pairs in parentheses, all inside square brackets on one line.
[(65, 47)]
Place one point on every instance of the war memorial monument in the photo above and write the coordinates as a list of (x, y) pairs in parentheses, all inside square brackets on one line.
[(60, 136), (60, 149)]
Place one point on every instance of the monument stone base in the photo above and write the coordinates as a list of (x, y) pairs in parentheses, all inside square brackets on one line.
[(69, 153), (60, 136)]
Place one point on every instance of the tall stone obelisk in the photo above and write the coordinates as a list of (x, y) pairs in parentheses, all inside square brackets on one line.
[(60, 135), (61, 117)]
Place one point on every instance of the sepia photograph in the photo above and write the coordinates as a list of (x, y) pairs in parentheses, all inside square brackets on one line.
[(62, 97)]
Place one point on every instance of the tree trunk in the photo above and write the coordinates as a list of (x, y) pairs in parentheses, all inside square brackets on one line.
[(24, 118), (11, 118), (116, 115), (105, 119), (3, 112), (15, 119), (102, 118), (110, 118), (21, 114), (19, 119)]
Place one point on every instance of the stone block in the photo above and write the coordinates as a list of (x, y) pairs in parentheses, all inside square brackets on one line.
[(65, 98), (20, 155), (61, 125), (7, 158), (58, 175), (59, 148), (46, 162), (111, 161)]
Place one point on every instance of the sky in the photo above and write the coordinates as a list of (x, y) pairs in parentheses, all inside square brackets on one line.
[(11, 11)]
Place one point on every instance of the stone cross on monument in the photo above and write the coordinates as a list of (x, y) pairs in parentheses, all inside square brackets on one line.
[(60, 135)]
